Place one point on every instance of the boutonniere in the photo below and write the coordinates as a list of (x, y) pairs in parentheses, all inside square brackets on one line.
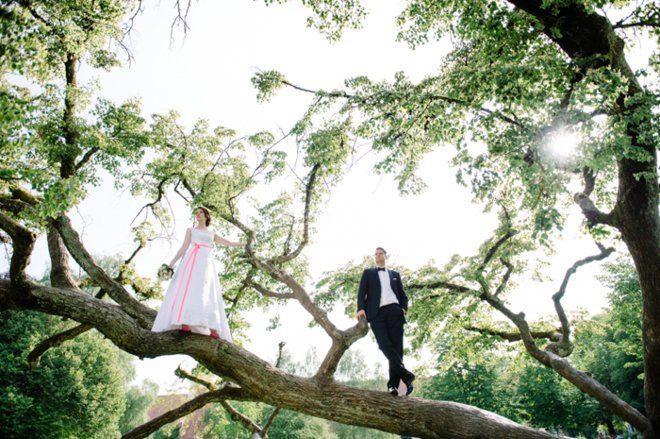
[(394, 278)]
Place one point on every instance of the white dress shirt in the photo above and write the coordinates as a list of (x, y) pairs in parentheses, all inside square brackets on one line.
[(387, 296)]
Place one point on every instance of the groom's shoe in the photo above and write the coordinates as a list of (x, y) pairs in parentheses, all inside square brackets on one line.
[(409, 384), (392, 391)]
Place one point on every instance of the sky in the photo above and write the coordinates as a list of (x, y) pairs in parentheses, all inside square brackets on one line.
[(206, 74)]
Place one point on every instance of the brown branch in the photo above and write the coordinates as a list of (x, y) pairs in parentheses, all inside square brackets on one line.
[(280, 350), (60, 272), (239, 417), (60, 277), (510, 336), (581, 380), (280, 275), (233, 413), (86, 157), (22, 245), (186, 408), (160, 188), (56, 340), (70, 131), (269, 422), (505, 278), (309, 192), (74, 245), (591, 212), (183, 374), (641, 23), (441, 284), (260, 381), (564, 347), (338, 348), (589, 180), (266, 292), (491, 252)]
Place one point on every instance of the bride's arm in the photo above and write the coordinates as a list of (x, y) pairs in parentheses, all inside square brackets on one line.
[(182, 250), (222, 241)]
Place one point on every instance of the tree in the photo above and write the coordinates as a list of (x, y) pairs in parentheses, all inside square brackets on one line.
[(518, 73), (523, 75), (77, 390), (138, 400)]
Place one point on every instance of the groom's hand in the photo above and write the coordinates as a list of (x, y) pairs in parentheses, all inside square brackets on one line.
[(361, 314)]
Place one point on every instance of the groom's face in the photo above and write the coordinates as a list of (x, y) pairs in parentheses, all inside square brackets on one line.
[(379, 257)]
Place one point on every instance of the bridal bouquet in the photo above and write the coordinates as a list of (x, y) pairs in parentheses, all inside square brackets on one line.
[(165, 272)]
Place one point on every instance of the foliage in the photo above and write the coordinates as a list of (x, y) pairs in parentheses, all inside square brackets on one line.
[(479, 370), (138, 400), (610, 345), (76, 391)]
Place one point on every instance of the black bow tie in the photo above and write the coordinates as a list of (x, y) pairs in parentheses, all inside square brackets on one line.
[(380, 268)]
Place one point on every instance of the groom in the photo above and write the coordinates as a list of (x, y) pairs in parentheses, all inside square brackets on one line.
[(382, 301)]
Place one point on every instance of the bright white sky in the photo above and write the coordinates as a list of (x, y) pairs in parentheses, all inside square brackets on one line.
[(208, 76)]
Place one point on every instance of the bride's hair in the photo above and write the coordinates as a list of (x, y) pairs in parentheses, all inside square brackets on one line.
[(207, 214)]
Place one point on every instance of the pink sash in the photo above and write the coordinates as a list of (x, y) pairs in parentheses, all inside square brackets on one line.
[(189, 266)]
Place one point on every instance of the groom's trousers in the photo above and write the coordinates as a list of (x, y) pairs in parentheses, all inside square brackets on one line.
[(387, 327)]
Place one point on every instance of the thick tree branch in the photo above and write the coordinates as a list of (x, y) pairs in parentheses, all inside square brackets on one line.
[(338, 349), (59, 338), (22, 246), (591, 212), (60, 272), (70, 131), (133, 307), (263, 382)]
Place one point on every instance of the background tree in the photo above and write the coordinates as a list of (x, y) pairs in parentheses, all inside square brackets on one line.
[(138, 401), (78, 390)]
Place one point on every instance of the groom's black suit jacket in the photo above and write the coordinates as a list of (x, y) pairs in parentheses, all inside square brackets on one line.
[(369, 291)]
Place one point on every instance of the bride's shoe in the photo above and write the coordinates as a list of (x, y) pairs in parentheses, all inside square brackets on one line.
[(185, 328), (215, 335)]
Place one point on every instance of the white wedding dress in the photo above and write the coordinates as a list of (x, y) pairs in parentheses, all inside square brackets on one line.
[(193, 297)]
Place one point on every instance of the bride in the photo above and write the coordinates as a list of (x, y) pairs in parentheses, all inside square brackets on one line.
[(193, 301)]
